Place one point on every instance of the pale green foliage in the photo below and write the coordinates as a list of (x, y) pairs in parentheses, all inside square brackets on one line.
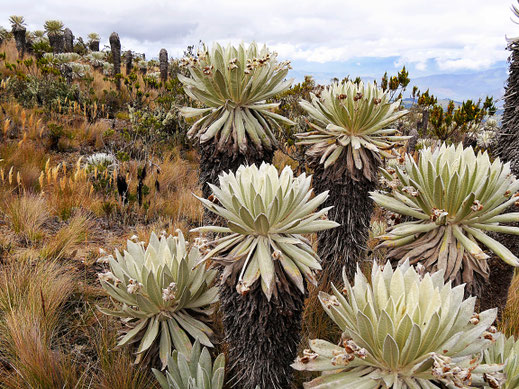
[(39, 34), (53, 27), (192, 371), (97, 58), (61, 58), (456, 197), (351, 120), (17, 21), (94, 37), (402, 330), (101, 162), (505, 351), (234, 84), (163, 297), (266, 214)]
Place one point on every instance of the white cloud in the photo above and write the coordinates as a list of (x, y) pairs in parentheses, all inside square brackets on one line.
[(459, 34), (421, 65)]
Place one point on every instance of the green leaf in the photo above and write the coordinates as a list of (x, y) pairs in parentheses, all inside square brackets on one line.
[(149, 336)]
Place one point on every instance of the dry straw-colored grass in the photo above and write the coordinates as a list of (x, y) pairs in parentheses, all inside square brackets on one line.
[(35, 363), (26, 214), (25, 161), (67, 238), (33, 298)]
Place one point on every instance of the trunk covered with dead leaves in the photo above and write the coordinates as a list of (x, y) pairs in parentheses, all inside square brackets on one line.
[(68, 37), (115, 45), (93, 45), (262, 336), (19, 37), (349, 189), (507, 148), (507, 145), (163, 61), (57, 42), (128, 59)]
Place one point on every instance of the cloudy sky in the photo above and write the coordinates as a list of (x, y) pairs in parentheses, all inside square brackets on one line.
[(356, 37)]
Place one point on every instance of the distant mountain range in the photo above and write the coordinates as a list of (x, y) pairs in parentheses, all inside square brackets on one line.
[(458, 87), (465, 86)]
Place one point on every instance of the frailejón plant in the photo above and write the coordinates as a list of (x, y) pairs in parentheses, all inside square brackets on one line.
[(160, 296), (233, 84), (268, 261), (504, 351), (194, 370), (455, 197), (266, 212), (402, 330), (350, 126)]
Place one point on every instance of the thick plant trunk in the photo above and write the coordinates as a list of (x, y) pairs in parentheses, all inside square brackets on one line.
[(507, 144), (411, 144), (163, 59), (213, 163), (93, 45), (68, 40), (57, 43), (495, 291), (422, 126), (19, 37), (115, 45), (128, 57), (345, 245), (29, 49), (262, 336)]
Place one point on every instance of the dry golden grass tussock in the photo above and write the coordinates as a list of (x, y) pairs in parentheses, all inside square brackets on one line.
[(35, 363), (67, 188), (26, 214), (68, 237), (92, 134), (40, 288), (176, 172), (27, 123), (9, 48), (32, 299), (178, 180), (24, 161)]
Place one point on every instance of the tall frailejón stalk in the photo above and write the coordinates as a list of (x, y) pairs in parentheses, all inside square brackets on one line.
[(19, 30), (68, 37), (115, 45), (507, 148), (163, 65), (266, 265), (54, 30), (349, 133)]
